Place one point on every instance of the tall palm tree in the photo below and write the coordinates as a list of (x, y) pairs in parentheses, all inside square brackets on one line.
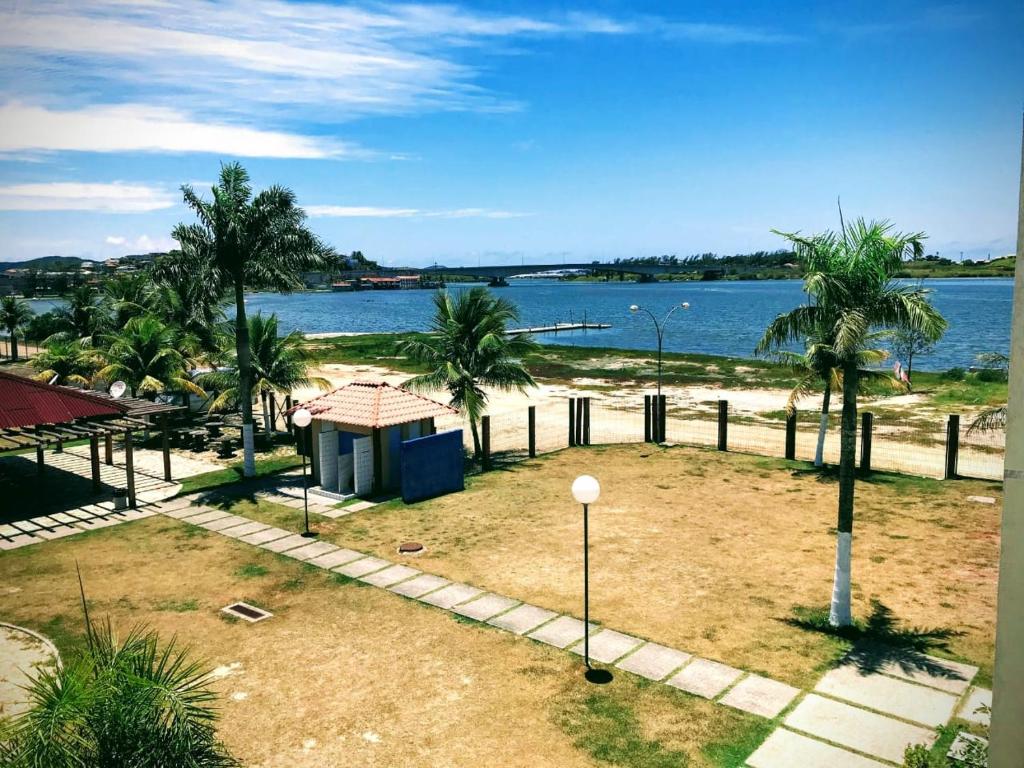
[(128, 295), (119, 704), (192, 301), (279, 364), (146, 354), (84, 316), (240, 241), (469, 349), (14, 314), (850, 280), (66, 361)]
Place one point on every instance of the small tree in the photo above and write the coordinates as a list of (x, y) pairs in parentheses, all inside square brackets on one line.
[(14, 315), (146, 355), (907, 342)]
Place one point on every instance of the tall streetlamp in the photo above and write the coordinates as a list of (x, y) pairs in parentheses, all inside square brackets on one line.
[(660, 328), (586, 489), (302, 418)]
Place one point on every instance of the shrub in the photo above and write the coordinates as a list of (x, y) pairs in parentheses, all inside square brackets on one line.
[(955, 374), (991, 375)]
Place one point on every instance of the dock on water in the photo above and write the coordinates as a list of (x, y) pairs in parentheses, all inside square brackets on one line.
[(558, 327)]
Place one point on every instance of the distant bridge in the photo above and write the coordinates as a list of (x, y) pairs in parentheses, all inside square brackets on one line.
[(504, 271)]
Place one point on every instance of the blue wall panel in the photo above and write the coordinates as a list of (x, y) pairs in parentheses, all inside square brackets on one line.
[(432, 466)]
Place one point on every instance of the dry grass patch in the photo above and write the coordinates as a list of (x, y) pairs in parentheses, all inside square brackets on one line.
[(708, 552), (345, 674)]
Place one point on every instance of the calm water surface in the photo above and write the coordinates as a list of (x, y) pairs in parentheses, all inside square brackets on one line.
[(725, 318)]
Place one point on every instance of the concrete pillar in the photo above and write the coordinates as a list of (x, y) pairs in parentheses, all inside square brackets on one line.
[(1007, 736)]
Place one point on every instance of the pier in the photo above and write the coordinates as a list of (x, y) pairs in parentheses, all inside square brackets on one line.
[(558, 327)]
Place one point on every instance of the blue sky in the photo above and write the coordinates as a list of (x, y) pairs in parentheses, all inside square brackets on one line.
[(502, 132)]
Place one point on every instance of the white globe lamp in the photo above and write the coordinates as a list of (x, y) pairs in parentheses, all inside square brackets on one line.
[(586, 489), (302, 418)]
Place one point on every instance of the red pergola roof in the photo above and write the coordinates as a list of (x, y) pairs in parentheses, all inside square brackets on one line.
[(373, 404), (26, 403)]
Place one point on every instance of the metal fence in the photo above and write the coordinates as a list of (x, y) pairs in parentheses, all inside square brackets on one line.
[(913, 445)]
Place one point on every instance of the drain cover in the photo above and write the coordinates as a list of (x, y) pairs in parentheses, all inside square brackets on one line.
[(247, 612), (410, 548)]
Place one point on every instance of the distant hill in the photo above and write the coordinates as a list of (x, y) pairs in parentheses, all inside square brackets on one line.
[(45, 263)]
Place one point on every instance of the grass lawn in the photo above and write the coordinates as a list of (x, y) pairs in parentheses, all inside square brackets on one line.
[(345, 674), (724, 555)]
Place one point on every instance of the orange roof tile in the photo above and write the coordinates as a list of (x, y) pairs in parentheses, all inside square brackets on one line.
[(373, 404)]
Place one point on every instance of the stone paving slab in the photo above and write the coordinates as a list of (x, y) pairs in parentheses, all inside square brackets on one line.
[(856, 728), (15, 542), (45, 522), (222, 523), (982, 499), (178, 502), (288, 542), (137, 514), (96, 522), (57, 533), (262, 537), (654, 661), (704, 678), (485, 607), (359, 506), (523, 619), (362, 567), (608, 645), (334, 514), (238, 531), (978, 697), (311, 550), (335, 558), (389, 576), (9, 530), (760, 696), (180, 513), (562, 632), (949, 676), (62, 517), (886, 694), (208, 516), (81, 514), (422, 584), (785, 749), (451, 595), (26, 525)]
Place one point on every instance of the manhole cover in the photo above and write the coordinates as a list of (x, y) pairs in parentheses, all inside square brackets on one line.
[(247, 612), (410, 548)]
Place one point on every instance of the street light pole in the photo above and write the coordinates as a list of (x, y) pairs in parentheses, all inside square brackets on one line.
[(660, 330), (586, 489), (302, 418)]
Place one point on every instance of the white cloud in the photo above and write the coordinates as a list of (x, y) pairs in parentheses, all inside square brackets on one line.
[(140, 244), (116, 197), (115, 240), (136, 128), (369, 211)]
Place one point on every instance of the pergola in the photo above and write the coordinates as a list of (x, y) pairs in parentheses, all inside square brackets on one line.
[(38, 415)]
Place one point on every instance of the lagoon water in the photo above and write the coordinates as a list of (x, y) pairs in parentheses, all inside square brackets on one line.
[(725, 318)]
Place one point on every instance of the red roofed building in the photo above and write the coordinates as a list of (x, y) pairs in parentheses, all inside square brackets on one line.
[(357, 432), (28, 403)]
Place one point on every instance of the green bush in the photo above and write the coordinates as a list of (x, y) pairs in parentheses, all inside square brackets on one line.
[(990, 375), (955, 374)]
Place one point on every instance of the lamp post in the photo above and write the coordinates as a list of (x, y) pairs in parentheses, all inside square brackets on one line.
[(302, 418), (586, 489), (660, 328)]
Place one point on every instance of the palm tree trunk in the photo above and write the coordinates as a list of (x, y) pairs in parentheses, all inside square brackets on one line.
[(819, 453), (14, 347), (266, 414), (840, 613), (910, 368), (477, 450), (244, 378)]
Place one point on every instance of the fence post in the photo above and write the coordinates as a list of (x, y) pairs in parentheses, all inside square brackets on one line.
[(655, 419), (586, 421), (867, 424), (531, 420), (288, 407), (579, 421), (662, 416), (485, 429), (723, 425), (572, 421), (791, 435), (952, 446), (647, 418)]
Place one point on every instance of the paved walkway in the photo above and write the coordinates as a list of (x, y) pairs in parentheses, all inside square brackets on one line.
[(22, 653), (852, 719)]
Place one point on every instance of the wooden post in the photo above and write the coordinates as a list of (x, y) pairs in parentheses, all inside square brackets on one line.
[(647, 418), (288, 407), (662, 417), (165, 439), (60, 445), (94, 462), (572, 421), (273, 413), (791, 435), (129, 467), (952, 446), (723, 425), (867, 423), (531, 421), (108, 449), (40, 463), (485, 438), (579, 421), (586, 421), (655, 419)]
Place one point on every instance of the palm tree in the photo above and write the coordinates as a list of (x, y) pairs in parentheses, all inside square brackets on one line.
[(191, 301), (850, 279), (14, 314), (84, 316), (244, 240), (146, 354), (66, 361), (279, 364), (469, 349), (817, 366), (119, 704), (128, 295), (992, 419)]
